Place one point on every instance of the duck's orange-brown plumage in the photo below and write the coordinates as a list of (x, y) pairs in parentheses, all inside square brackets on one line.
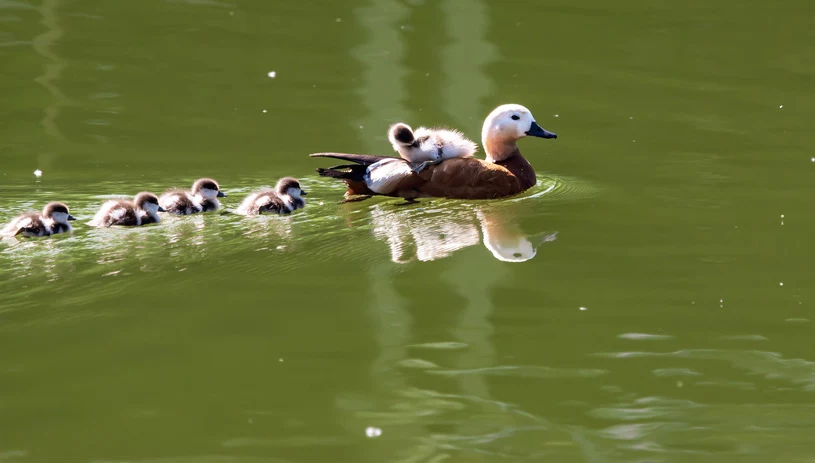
[(459, 178)]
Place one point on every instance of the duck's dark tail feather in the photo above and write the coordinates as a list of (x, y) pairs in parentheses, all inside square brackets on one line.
[(352, 172), (364, 159)]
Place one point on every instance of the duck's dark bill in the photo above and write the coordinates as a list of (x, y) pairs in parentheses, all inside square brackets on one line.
[(70, 217), (221, 194), (303, 192), (538, 131)]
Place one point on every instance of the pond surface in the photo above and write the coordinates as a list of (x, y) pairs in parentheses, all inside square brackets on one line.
[(649, 300)]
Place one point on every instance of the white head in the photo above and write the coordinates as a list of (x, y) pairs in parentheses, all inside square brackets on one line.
[(148, 202), (207, 188), (506, 125), (288, 186), (58, 212)]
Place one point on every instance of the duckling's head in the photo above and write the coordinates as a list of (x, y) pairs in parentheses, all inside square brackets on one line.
[(289, 186), (207, 188), (400, 134), (148, 202), (58, 212), (507, 124)]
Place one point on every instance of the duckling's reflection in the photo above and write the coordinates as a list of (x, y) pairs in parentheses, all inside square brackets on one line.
[(427, 235), (274, 227)]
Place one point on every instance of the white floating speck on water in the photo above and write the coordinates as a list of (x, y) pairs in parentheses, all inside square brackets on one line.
[(265, 111), (272, 74), (781, 283), (38, 173), (339, 20), (781, 107), (630, 118), (280, 360), (782, 216), (371, 431), (557, 115), (583, 308)]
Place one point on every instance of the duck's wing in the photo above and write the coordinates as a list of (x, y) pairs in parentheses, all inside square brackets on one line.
[(468, 178), (27, 225), (116, 212), (363, 159), (352, 174), (178, 202)]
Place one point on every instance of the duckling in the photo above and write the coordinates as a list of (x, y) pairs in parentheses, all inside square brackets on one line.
[(426, 147), (142, 210), (54, 219), (285, 198), (202, 198)]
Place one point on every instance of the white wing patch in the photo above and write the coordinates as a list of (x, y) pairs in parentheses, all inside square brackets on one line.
[(385, 175), (118, 213)]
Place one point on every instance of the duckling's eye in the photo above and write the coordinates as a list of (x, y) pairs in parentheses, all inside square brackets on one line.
[(515, 117)]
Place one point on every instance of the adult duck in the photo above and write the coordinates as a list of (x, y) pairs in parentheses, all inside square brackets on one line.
[(504, 172)]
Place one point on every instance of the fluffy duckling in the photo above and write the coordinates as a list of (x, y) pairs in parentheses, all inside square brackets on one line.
[(202, 198), (426, 147), (142, 210), (285, 198), (54, 219)]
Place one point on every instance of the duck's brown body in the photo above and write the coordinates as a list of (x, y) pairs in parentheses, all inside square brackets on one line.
[(469, 178), (459, 178)]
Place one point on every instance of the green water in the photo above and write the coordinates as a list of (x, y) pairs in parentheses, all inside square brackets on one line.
[(650, 300)]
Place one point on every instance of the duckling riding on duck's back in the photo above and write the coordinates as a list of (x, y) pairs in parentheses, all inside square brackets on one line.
[(426, 147), (504, 172)]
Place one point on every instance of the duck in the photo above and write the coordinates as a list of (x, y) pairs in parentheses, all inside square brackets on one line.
[(142, 210), (425, 147), (285, 198), (504, 172), (203, 197), (55, 218)]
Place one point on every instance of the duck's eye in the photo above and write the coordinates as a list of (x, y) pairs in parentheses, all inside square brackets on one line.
[(515, 117)]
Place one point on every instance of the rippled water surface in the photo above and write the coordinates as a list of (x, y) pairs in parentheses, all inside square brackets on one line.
[(649, 300)]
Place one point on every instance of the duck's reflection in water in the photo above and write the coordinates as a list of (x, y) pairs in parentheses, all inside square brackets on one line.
[(432, 234)]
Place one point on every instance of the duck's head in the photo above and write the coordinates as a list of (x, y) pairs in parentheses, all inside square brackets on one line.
[(290, 186), (207, 188), (506, 125), (400, 134), (58, 212), (148, 202)]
